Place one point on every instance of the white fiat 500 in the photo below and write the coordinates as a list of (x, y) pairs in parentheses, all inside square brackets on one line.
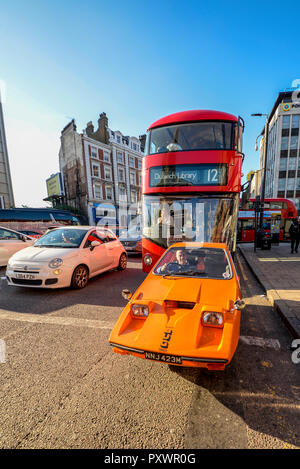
[(65, 257)]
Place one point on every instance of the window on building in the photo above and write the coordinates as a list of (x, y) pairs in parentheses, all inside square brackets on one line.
[(132, 178), (106, 156), (109, 193), (286, 122), (290, 184), (292, 163), (96, 170), (281, 184), (120, 157), (132, 162), (294, 143), (283, 164), (140, 164), (94, 153), (121, 173), (284, 143), (118, 139), (107, 173), (133, 196), (140, 179), (122, 194), (98, 191), (298, 184), (295, 121)]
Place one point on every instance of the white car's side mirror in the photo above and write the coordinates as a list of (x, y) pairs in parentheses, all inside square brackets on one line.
[(94, 244)]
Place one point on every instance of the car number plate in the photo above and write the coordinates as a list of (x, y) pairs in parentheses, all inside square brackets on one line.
[(25, 276), (163, 357)]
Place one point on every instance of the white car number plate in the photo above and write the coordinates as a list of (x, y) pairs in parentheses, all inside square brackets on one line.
[(25, 276)]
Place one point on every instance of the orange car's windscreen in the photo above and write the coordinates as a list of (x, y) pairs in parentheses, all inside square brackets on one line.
[(195, 262)]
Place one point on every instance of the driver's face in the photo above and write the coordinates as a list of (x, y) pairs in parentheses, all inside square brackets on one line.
[(181, 257)]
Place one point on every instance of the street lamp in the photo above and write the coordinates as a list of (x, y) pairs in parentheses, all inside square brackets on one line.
[(263, 186)]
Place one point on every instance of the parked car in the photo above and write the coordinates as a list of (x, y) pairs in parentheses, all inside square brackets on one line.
[(186, 312), (66, 256), (32, 234), (132, 239), (12, 241)]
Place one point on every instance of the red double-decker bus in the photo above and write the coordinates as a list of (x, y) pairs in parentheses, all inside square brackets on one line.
[(281, 210), (191, 180)]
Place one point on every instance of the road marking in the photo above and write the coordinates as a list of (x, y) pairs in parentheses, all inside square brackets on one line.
[(260, 342), (282, 259), (58, 321)]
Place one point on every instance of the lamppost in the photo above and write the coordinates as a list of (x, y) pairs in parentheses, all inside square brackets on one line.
[(263, 185)]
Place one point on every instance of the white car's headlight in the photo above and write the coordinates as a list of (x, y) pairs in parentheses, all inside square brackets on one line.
[(55, 263)]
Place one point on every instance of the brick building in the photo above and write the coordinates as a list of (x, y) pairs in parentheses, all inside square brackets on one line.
[(100, 168)]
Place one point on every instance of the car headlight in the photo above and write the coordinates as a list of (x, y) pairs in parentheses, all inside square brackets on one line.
[(139, 311), (211, 318), (55, 263)]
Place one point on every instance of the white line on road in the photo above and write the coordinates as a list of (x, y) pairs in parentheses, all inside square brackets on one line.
[(60, 321), (97, 324), (260, 342)]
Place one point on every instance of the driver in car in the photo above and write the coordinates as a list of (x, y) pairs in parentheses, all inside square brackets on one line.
[(181, 260), (67, 237), (196, 264)]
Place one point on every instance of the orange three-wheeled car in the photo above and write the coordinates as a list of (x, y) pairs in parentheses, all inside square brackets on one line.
[(186, 312)]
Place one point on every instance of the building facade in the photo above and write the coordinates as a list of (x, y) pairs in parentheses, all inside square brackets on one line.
[(283, 160), (6, 190), (101, 169)]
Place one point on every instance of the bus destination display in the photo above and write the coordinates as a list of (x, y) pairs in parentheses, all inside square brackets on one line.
[(188, 175)]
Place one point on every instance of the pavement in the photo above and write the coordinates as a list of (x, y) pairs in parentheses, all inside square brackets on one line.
[(278, 272)]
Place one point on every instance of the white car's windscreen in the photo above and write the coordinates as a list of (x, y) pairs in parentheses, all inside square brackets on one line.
[(61, 238)]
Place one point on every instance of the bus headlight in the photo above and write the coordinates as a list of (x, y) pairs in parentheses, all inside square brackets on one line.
[(55, 263), (211, 318), (148, 259)]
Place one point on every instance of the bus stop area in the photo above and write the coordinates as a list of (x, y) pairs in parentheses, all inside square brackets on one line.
[(278, 271)]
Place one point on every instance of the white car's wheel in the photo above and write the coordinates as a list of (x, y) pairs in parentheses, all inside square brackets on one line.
[(80, 277), (122, 262)]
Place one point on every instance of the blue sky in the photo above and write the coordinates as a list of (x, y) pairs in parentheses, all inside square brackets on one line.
[(137, 61)]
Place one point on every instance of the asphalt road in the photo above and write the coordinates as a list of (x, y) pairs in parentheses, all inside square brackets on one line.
[(63, 387)]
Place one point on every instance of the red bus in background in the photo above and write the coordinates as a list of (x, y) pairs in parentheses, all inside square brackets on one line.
[(191, 181), (274, 209)]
